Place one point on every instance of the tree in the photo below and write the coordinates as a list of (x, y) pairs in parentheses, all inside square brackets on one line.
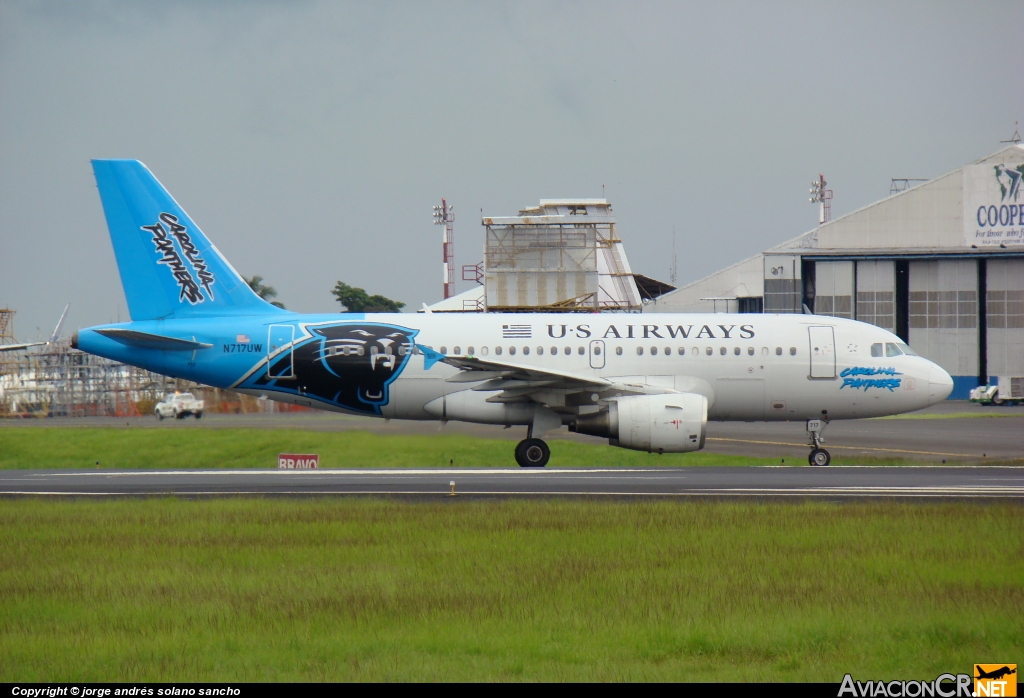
[(263, 291), (357, 300)]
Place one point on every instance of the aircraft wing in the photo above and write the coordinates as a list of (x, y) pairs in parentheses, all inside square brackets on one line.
[(16, 347), (53, 337), (518, 382)]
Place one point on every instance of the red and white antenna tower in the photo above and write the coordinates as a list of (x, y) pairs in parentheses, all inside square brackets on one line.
[(823, 196), (445, 215)]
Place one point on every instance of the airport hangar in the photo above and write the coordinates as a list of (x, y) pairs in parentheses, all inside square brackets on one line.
[(940, 264)]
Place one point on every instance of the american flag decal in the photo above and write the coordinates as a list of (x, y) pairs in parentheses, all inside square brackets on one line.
[(516, 331), (242, 339)]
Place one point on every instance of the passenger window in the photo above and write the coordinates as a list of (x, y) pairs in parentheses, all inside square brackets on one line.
[(668, 351), (876, 350), (695, 351), (568, 350), (483, 351), (581, 351), (554, 351), (709, 351), (403, 350), (722, 351), (764, 351), (470, 351), (750, 351), (639, 351), (512, 351), (892, 350), (597, 350), (682, 351), (444, 350), (540, 351), (618, 351), (457, 351), (526, 351), (792, 351), (654, 351), (736, 351), (497, 350), (778, 351)]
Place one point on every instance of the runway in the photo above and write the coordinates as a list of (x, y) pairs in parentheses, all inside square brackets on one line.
[(956, 432), (988, 482)]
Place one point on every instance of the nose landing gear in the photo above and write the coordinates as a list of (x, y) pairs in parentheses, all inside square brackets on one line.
[(818, 455)]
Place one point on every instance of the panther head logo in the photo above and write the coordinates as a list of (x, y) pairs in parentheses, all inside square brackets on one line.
[(348, 364)]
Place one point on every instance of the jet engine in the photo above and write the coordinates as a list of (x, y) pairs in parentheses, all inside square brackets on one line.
[(672, 423)]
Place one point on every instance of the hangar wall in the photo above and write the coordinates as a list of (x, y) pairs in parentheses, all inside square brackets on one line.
[(941, 265)]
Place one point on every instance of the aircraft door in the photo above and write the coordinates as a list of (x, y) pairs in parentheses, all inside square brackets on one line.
[(823, 352), (279, 351), (596, 353)]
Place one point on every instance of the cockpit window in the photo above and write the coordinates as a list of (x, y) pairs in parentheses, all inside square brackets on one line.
[(876, 349), (907, 350), (892, 350)]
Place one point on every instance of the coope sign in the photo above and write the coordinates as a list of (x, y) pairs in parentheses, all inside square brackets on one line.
[(298, 461), (993, 204)]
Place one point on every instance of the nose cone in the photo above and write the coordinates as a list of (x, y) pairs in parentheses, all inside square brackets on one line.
[(940, 384)]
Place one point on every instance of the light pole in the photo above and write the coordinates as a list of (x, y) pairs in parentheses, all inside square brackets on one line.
[(445, 215), (823, 196)]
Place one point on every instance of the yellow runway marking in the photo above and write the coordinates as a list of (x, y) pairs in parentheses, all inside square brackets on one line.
[(849, 448)]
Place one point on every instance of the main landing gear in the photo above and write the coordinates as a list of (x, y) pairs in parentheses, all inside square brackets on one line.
[(818, 455), (532, 453)]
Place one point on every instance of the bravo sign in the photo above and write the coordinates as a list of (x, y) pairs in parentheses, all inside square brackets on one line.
[(298, 461)]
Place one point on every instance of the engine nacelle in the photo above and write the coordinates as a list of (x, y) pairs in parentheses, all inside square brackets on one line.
[(670, 423)]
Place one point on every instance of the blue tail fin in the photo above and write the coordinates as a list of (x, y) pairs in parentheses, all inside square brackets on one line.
[(168, 267)]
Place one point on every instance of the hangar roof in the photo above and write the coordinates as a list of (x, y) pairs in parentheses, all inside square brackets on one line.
[(926, 217)]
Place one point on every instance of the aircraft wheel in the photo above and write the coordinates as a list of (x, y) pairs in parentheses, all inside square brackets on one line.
[(198, 415), (532, 453), (819, 456)]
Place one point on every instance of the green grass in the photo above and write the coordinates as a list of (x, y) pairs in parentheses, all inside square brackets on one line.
[(40, 447), (369, 589)]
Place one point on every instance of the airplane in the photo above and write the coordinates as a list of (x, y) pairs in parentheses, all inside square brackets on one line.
[(995, 673), (647, 382), (53, 337)]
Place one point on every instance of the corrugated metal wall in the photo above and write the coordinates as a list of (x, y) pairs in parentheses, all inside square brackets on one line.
[(943, 314), (833, 282), (876, 293), (1005, 317)]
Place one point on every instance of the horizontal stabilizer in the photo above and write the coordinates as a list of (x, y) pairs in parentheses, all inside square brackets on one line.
[(145, 340)]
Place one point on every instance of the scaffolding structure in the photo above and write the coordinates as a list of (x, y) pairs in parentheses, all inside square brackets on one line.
[(563, 255), (58, 381)]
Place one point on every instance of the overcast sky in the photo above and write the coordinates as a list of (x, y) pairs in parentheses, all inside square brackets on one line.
[(309, 140)]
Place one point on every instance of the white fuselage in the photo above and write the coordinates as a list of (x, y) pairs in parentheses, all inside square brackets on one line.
[(751, 367)]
